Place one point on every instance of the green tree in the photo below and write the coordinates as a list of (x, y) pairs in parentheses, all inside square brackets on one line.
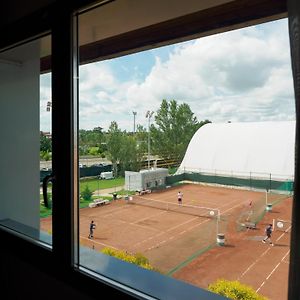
[(86, 194), (114, 145), (141, 136), (129, 156), (89, 139), (45, 144), (175, 126), (46, 156)]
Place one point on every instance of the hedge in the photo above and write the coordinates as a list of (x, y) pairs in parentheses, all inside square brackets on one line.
[(234, 290)]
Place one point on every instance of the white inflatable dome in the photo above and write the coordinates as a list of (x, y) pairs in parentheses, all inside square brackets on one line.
[(239, 148)]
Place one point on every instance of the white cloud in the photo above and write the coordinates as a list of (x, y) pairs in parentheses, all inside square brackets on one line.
[(45, 96), (242, 75)]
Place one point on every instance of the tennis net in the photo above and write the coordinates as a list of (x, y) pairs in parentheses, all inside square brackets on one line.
[(282, 225), (194, 210)]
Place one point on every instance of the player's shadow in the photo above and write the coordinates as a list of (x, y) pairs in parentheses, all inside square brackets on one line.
[(281, 245), (274, 212), (228, 246)]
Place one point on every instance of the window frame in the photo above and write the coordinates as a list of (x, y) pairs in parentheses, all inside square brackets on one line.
[(60, 22)]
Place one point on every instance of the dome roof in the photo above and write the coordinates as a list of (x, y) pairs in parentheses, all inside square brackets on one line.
[(238, 148)]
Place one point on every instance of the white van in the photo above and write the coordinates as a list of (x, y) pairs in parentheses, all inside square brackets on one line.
[(106, 175)]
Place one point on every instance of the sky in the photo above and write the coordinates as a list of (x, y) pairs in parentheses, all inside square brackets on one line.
[(239, 76)]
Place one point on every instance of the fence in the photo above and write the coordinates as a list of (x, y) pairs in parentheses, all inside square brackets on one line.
[(252, 180), (84, 172)]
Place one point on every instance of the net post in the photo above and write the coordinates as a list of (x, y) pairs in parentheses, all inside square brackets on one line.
[(218, 220)]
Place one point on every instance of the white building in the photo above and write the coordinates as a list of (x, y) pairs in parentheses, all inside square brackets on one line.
[(238, 148)]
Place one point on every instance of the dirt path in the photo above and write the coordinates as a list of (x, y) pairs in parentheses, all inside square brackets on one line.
[(108, 192)]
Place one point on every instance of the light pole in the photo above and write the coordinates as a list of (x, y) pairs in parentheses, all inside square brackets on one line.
[(134, 114), (149, 115), (49, 106)]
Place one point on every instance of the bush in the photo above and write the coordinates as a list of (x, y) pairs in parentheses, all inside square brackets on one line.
[(137, 259), (86, 194), (234, 290), (94, 151)]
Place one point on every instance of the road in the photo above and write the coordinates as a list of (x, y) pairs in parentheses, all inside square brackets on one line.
[(85, 161)]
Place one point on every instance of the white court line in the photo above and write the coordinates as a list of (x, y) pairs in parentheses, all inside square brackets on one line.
[(138, 225), (173, 236), (282, 234), (272, 271), (114, 211), (163, 232), (286, 261), (93, 241), (233, 201), (230, 208), (251, 266), (145, 218), (218, 204), (188, 229), (254, 263)]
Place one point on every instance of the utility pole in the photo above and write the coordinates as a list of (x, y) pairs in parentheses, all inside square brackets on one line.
[(49, 106), (149, 115), (134, 114)]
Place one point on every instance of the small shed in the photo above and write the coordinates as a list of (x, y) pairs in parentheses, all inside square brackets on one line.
[(145, 179)]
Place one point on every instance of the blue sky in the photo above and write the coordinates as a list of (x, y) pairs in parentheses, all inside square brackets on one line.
[(241, 76)]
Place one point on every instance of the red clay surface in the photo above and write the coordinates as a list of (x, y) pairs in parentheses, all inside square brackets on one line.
[(175, 242), (247, 259)]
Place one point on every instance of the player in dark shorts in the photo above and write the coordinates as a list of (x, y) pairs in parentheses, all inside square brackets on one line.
[(269, 230), (92, 227), (179, 197)]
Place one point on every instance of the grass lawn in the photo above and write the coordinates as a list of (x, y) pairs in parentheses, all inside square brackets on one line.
[(44, 211), (95, 184)]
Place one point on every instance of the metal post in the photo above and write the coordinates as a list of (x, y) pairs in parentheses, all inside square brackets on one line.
[(134, 114), (294, 270), (149, 115), (49, 105)]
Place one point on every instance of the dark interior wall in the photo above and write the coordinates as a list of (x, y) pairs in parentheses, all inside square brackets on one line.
[(23, 274), (14, 10), (21, 280), (30, 272)]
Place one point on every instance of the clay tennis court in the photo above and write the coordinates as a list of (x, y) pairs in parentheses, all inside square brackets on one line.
[(247, 259), (184, 245)]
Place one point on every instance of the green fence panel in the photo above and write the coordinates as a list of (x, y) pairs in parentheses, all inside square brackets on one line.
[(170, 180), (255, 183)]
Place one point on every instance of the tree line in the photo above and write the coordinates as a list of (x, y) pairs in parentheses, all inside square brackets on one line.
[(170, 133)]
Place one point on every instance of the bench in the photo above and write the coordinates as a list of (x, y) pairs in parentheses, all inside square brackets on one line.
[(98, 202), (249, 225), (143, 192)]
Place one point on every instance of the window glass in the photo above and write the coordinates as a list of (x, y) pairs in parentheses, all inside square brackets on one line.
[(186, 155), (25, 91)]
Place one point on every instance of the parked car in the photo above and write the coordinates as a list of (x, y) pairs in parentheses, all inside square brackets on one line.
[(106, 175), (97, 165)]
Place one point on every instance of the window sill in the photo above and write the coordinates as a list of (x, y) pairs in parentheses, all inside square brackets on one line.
[(137, 281)]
